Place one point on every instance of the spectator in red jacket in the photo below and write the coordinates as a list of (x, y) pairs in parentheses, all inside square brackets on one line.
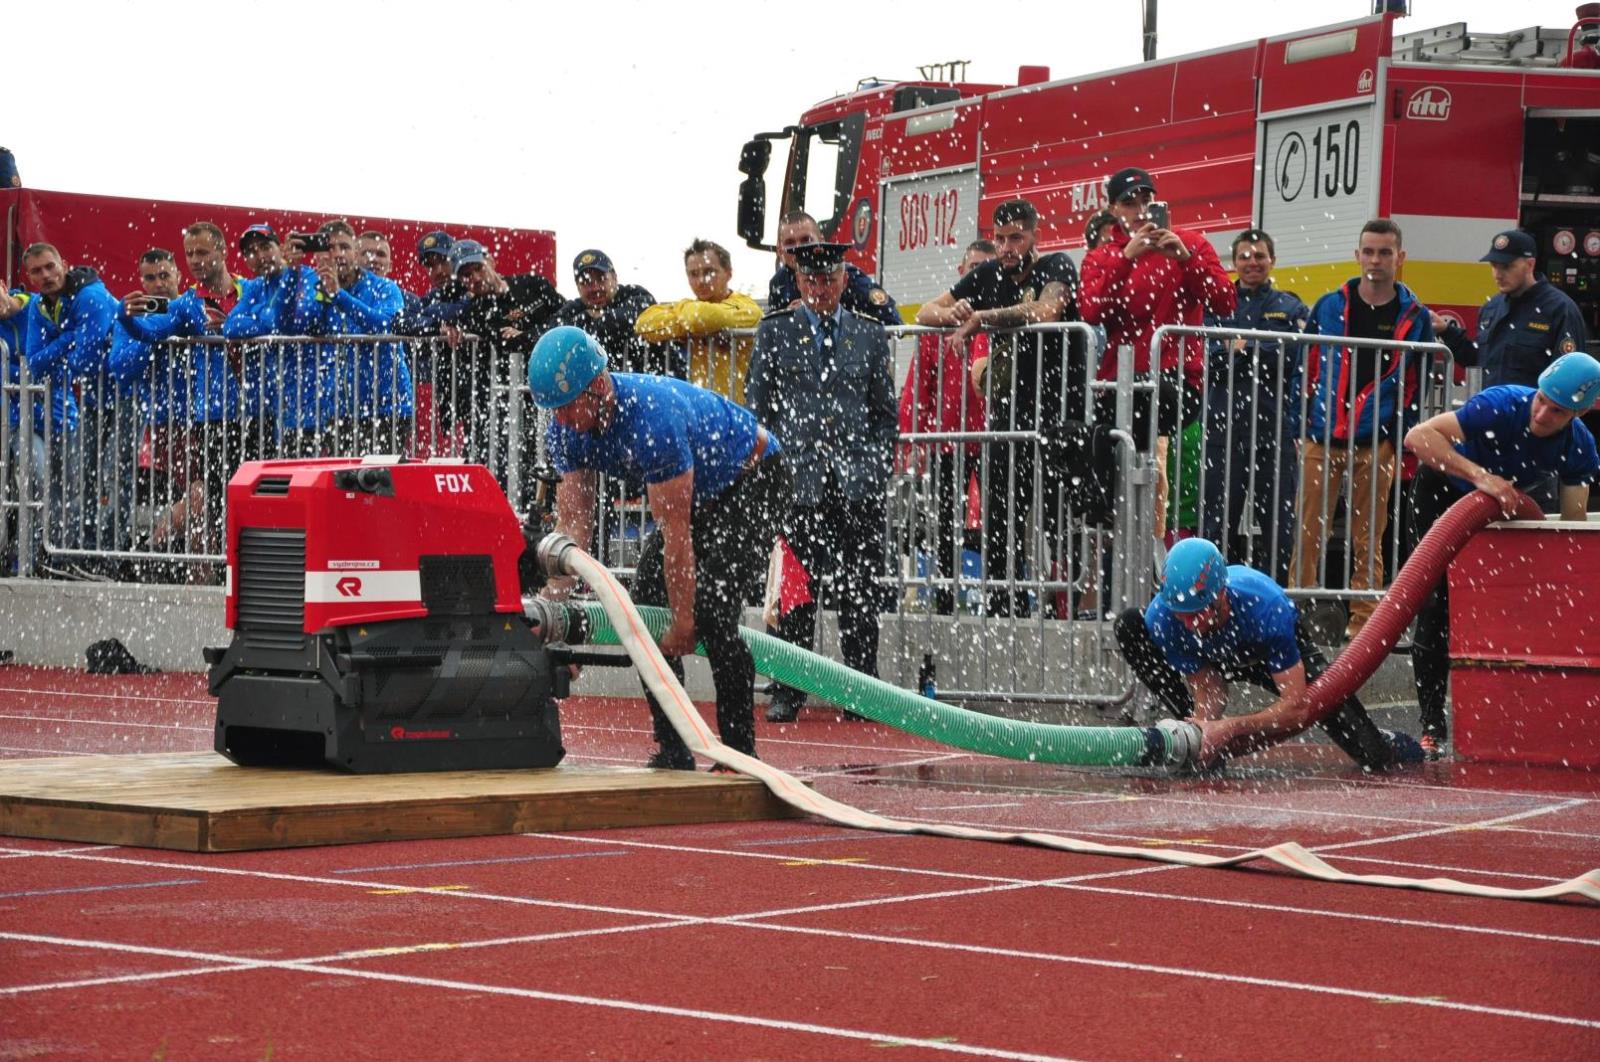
[(939, 396), (1145, 274)]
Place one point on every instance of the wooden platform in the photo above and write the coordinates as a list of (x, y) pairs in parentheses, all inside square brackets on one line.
[(200, 802)]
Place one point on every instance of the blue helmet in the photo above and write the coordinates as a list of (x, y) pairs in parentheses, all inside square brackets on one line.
[(1572, 382), (563, 364), (1195, 575)]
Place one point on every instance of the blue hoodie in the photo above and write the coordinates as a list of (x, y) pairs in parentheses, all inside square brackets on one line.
[(69, 337), (374, 378), (199, 384), (298, 377)]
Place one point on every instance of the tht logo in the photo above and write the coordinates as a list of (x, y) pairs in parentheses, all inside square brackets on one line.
[(1429, 104)]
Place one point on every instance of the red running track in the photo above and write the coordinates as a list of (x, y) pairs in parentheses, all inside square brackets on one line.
[(802, 939)]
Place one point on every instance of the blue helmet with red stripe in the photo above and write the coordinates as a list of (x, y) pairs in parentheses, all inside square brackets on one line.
[(1195, 575)]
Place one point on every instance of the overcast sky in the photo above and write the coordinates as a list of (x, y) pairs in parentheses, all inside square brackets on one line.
[(616, 124)]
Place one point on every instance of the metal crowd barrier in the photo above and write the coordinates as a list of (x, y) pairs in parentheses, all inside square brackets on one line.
[(136, 489), (1001, 586), (1322, 511)]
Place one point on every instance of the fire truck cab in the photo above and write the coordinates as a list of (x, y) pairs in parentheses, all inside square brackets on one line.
[(1456, 135)]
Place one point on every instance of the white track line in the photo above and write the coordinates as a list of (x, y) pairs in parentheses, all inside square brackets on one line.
[(657, 1009), (44, 752), (207, 702), (1181, 971), (106, 722)]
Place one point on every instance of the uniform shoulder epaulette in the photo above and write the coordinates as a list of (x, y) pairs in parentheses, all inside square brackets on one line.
[(863, 316), (770, 314)]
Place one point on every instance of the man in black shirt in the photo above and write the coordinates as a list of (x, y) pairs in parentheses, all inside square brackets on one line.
[(507, 314), (1023, 379), (607, 310)]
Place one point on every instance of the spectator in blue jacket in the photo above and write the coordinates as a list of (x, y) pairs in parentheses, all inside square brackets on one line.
[(203, 431), (25, 455), (1253, 418), (286, 388), (1362, 401), (66, 330), (374, 402)]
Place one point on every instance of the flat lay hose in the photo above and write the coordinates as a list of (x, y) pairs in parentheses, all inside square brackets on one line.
[(627, 627)]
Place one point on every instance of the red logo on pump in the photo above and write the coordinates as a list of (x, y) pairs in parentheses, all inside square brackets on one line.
[(1429, 104), (400, 733), (349, 586)]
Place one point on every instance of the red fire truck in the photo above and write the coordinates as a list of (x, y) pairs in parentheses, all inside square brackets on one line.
[(1454, 134), (111, 232)]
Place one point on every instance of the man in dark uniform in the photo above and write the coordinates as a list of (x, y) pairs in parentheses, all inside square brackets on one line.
[(607, 310), (821, 378), (1524, 328), (1253, 417), (1024, 378), (861, 295)]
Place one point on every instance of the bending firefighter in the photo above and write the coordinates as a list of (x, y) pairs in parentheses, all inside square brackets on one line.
[(1501, 439), (1212, 624), (718, 487)]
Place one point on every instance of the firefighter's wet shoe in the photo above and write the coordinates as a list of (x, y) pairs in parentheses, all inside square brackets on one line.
[(678, 759), (1405, 748), (1432, 745)]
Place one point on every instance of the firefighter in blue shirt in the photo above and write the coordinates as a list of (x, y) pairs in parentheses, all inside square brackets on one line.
[(1212, 624), (717, 485), (861, 295), (1501, 438)]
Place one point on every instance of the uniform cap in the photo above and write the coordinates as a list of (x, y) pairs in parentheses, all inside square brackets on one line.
[(563, 364), (1195, 575), (437, 242), (820, 257), (1509, 246), (1572, 382), (592, 261)]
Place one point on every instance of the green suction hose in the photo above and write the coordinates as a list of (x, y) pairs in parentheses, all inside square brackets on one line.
[(1090, 746)]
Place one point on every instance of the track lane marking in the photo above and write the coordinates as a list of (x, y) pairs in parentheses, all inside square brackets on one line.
[(659, 1009)]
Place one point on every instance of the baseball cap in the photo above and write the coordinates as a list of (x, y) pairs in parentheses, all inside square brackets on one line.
[(258, 231), (466, 252), (1509, 246), (1128, 180), (437, 242), (592, 261)]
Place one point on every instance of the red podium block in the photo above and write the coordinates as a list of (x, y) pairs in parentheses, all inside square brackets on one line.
[(1525, 644)]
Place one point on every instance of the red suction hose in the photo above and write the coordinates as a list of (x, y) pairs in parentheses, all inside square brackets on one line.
[(1410, 589)]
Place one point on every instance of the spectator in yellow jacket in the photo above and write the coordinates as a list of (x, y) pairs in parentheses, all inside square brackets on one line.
[(717, 362)]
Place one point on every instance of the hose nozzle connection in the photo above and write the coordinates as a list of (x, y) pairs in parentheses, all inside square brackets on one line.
[(554, 553), (554, 622), (1182, 739)]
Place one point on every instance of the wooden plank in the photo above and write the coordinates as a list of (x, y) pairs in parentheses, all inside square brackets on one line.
[(200, 802)]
